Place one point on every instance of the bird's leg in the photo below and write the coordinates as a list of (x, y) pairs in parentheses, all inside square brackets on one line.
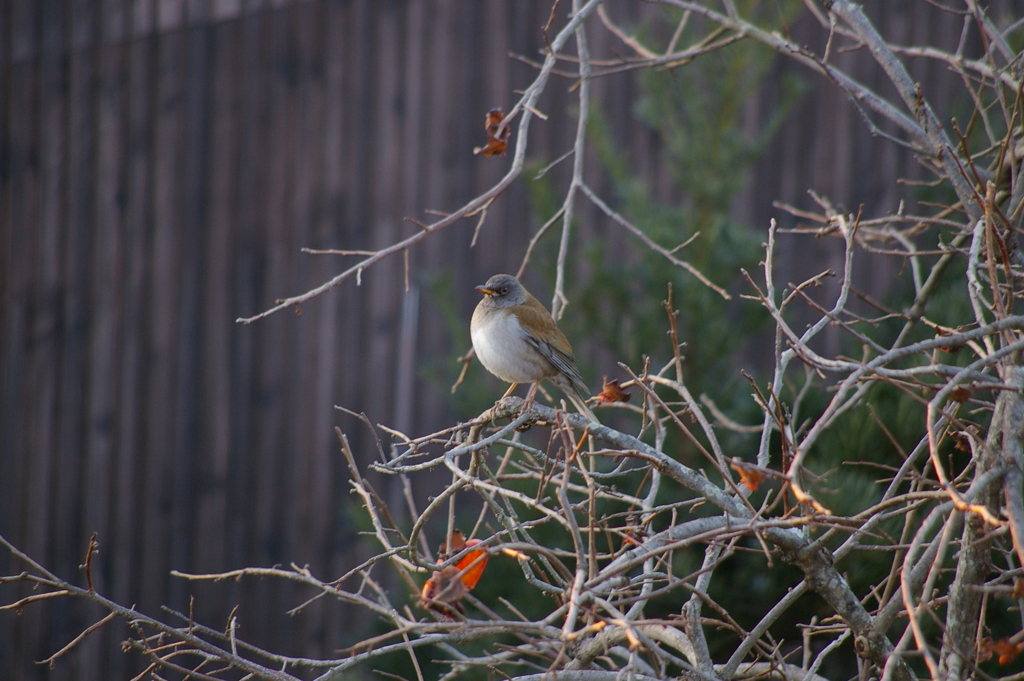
[(509, 391), (531, 393)]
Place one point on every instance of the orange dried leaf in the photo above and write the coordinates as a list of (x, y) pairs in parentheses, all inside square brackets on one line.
[(493, 120), (1018, 587), (471, 566), (961, 393), (494, 147), (612, 392), (629, 537), (444, 592), (446, 588), (1004, 648), (497, 135), (961, 440), (952, 348), (633, 532), (456, 542), (751, 477)]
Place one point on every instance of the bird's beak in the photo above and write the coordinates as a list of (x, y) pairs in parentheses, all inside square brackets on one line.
[(484, 290)]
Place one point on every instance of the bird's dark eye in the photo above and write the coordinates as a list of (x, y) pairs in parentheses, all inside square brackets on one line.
[(504, 290)]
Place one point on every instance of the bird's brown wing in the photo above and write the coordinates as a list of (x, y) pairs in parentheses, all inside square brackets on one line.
[(566, 364), (562, 360), (550, 341)]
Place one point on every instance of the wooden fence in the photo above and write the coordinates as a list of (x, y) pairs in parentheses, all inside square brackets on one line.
[(162, 162)]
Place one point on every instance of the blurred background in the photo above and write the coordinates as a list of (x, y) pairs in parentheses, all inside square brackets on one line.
[(162, 163)]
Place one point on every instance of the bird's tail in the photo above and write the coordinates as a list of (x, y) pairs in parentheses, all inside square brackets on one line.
[(581, 405)]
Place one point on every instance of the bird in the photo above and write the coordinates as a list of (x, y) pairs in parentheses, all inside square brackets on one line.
[(517, 340)]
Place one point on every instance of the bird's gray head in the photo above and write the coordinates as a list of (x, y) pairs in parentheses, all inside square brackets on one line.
[(502, 290)]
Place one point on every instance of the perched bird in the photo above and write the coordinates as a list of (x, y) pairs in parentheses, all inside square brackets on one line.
[(517, 340)]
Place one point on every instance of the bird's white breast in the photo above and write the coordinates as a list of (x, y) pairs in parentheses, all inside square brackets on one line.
[(502, 347)]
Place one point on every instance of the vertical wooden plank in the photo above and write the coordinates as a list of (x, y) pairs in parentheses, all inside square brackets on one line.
[(221, 10), (30, 379), (283, 236), (313, 485), (382, 284), (202, 441), (408, 201), (143, 18), (105, 323), (424, 190), (440, 86), (128, 474), (353, 83), (140, 162), (24, 30), (194, 63), (6, 41), (197, 12), (298, 215), (277, 339), (295, 216), (50, 422), (12, 291), (163, 316), (170, 15), (105, 298), (45, 175), (263, 544), (342, 546), (444, 109), (115, 21), (12, 312), (70, 496), (85, 23), (217, 409), (56, 111), (249, 293), (261, 499)]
